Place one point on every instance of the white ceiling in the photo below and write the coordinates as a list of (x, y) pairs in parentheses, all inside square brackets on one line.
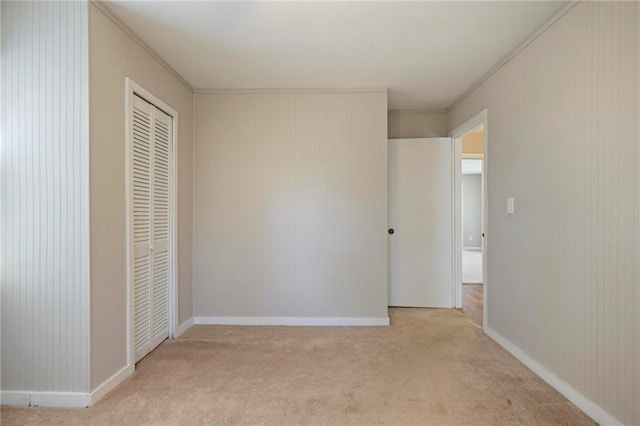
[(426, 53)]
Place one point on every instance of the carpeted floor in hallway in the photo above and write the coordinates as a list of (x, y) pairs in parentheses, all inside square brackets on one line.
[(431, 366)]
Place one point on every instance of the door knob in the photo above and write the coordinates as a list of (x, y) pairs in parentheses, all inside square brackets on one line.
[(391, 231)]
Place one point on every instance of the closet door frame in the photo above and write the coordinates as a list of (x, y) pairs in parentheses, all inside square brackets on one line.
[(132, 89)]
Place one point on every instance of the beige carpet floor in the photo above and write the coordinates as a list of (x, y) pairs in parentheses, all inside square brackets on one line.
[(429, 367), (472, 302)]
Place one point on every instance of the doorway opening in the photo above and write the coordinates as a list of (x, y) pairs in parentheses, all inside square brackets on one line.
[(472, 280), (470, 211)]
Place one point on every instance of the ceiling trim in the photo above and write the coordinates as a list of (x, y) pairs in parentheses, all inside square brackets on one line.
[(517, 50), (417, 111), (296, 90), (98, 5)]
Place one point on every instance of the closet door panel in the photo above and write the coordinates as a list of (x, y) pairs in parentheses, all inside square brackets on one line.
[(160, 219), (141, 147)]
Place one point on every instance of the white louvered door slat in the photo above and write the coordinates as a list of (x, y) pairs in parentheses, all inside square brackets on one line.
[(151, 140), (141, 132), (160, 228)]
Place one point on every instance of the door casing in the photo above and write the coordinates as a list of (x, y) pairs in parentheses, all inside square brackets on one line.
[(132, 89), (480, 119)]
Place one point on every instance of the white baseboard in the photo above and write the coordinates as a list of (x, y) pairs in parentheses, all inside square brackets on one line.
[(45, 399), (64, 399), (183, 327), (594, 411), (294, 321), (113, 381), (17, 398)]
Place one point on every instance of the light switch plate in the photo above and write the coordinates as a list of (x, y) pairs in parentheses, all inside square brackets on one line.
[(510, 205)]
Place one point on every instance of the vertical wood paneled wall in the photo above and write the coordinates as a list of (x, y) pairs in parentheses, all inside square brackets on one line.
[(563, 139), (44, 196), (417, 124), (290, 204)]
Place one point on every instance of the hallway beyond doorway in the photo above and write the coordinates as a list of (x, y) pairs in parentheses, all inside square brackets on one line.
[(471, 266)]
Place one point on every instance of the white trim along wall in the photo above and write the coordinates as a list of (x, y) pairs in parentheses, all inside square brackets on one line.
[(65, 399), (294, 321)]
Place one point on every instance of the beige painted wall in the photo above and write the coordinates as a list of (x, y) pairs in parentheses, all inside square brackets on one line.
[(417, 124), (113, 56), (564, 140), (290, 204), (473, 143)]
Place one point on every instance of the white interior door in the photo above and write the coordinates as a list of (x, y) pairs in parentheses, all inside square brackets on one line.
[(151, 140), (420, 213)]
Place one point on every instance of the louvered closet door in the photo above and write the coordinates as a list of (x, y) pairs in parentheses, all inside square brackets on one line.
[(141, 186), (160, 227), (151, 147)]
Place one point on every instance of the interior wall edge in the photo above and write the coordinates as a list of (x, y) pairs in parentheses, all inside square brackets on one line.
[(105, 387), (86, 40), (183, 327)]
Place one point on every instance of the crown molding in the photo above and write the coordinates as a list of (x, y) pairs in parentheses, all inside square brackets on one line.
[(294, 90), (515, 52), (418, 111), (106, 12)]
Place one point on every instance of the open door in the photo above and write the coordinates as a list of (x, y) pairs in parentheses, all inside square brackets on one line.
[(421, 222)]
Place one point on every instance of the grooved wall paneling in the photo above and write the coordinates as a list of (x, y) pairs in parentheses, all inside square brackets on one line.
[(44, 197), (563, 139), (290, 204), (417, 124)]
